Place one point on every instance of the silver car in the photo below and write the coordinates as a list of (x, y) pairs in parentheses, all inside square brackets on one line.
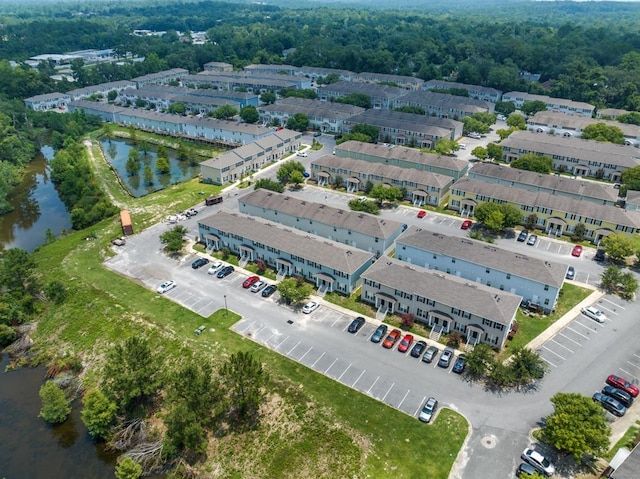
[(594, 313), (428, 410)]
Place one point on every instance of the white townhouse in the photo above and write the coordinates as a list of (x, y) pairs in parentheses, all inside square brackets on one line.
[(48, 101), (475, 91), (569, 107)]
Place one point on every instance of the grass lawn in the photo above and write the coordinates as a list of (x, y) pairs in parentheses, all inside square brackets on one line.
[(532, 326), (625, 441), (351, 302), (311, 426)]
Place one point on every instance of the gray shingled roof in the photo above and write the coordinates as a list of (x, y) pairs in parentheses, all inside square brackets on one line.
[(548, 99), (383, 170), (401, 120), (441, 84), (569, 147), (354, 220), (519, 196), (371, 89), (401, 153), (428, 97), (480, 253), (590, 189), (556, 119), (320, 250), (474, 298), (312, 108)]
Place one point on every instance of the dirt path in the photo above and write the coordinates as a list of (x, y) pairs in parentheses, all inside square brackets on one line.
[(105, 184)]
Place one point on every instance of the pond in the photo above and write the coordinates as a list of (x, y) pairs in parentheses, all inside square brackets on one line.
[(117, 153), (36, 208)]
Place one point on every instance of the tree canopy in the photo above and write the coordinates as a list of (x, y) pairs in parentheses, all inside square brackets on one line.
[(603, 132), (534, 162)]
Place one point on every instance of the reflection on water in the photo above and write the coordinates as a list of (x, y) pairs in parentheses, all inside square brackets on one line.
[(32, 449), (117, 153), (37, 208)]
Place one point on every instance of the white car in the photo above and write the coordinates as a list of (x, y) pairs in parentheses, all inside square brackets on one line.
[(302, 153), (462, 146), (594, 313), (166, 286), (310, 307), (475, 136), (215, 267), (538, 461), (258, 286), (501, 118)]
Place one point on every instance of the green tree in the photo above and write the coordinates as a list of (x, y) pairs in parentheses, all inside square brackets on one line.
[(132, 167), (531, 222), (471, 125), (184, 430), (530, 108), (56, 291), (416, 110), (225, 112), (505, 107), (294, 291), (131, 373), (7, 335), (480, 360), (98, 413), (161, 151), (147, 175), (618, 247), (579, 232), (298, 122), (494, 221), (628, 285), (249, 114), (357, 99), (268, 98), (268, 184), (480, 152), (494, 152), (296, 178), (373, 132), (56, 407), (516, 121), (127, 468), (284, 172), (446, 146), (162, 165), (383, 193), (244, 379), (527, 366), (367, 206), (173, 239), (534, 162), (603, 132), (613, 280), (577, 426), (177, 108), (17, 270)]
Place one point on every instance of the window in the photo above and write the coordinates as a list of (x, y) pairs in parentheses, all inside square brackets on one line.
[(508, 275), (546, 287)]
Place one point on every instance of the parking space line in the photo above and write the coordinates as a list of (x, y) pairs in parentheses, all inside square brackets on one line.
[(291, 350), (334, 361), (281, 343), (255, 335), (562, 346), (334, 323), (302, 357), (634, 365), (358, 379), (590, 323), (612, 311), (374, 383), (420, 405), (405, 397), (636, 356), (579, 334), (388, 391), (340, 378), (553, 352), (567, 337), (242, 331), (629, 374), (547, 361), (615, 304), (316, 361)]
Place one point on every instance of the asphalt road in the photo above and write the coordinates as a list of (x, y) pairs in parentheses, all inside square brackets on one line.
[(580, 356)]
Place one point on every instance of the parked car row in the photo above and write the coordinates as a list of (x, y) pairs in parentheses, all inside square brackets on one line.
[(617, 396), (535, 462), (218, 268)]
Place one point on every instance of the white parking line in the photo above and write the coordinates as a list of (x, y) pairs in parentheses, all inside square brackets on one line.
[(316, 361), (405, 397), (281, 343), (374, 383), (420, 405), (629, 374), (615, 304), (340, 378), (547, 361), (567, 337), (361, 374), (242, 331), (553, 352), (291, 350), (388, 391), (634, 365), (562, 346), (612, 311), (334, 323), (579, 334), (591, 323), (308, 350), (255, 335), (637, 356), (327, 370)]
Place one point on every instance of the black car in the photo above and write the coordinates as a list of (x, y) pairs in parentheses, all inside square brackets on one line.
[(226, 271), (317, 134), (599, 256), (610, 404), (458, 366), (356, 324), (621, 396), (199, 263), (269, 290), (379, 333), (525, 468), (523, 236), (418, 349)]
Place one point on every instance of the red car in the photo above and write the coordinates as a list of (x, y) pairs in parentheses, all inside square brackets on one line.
[(466, 224), (422, 214), (250, 281), (405, 344), (391, 339), (576, 251), (622, 383)]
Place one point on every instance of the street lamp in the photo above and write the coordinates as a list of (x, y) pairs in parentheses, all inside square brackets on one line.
[(225, 305)]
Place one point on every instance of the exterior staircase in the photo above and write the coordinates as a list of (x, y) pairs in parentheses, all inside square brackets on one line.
[(381, 313), (435, 333)]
